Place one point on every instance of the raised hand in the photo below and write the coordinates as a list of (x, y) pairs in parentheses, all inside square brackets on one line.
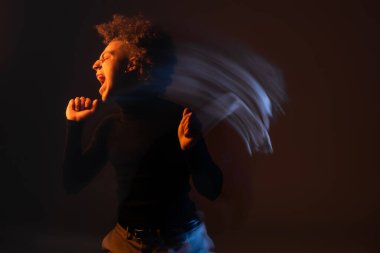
[(80, 108), (189, 129)]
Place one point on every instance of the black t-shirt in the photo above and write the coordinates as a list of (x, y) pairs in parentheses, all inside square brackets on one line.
[(152, 172)]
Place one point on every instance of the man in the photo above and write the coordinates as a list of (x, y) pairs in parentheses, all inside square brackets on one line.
[(154, 145)]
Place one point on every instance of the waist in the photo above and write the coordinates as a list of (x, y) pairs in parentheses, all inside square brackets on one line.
[(159, 233), (184, 226), (158, 216)]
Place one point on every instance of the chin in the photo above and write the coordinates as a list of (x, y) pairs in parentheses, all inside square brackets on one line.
[(104, 96)]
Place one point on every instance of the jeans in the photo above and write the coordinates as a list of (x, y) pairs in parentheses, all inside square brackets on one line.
[(118, 240)]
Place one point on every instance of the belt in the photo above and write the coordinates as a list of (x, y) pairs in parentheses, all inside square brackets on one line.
[(154, 234), (143, 234)]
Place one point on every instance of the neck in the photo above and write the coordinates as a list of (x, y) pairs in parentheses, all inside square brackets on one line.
[(136, 104)]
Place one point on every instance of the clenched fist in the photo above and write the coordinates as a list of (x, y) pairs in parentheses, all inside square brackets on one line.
[(80, 108)]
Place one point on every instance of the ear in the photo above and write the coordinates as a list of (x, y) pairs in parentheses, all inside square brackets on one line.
[(132, 64), (135, 65)]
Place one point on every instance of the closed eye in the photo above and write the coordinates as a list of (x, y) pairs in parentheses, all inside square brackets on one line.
[(105, 57)]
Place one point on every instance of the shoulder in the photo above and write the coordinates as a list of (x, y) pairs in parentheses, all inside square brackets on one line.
[(106, 123), (171, 110)]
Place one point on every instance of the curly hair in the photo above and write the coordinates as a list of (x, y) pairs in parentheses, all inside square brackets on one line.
[(142, 38)]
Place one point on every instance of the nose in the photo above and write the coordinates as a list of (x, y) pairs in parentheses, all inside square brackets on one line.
[(97, 65)]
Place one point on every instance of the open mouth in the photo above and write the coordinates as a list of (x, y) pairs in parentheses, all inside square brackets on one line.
[(101, 78)]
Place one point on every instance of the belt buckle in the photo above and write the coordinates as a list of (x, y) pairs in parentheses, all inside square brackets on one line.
[(142, 234), (138, 234), (132, 233)]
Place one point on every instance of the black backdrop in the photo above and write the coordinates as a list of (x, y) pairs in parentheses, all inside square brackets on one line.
[(318, 191)]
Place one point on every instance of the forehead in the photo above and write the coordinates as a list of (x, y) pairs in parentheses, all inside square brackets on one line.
[(116, 47)]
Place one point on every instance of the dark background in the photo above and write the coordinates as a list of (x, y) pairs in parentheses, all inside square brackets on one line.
[(318, 192)]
